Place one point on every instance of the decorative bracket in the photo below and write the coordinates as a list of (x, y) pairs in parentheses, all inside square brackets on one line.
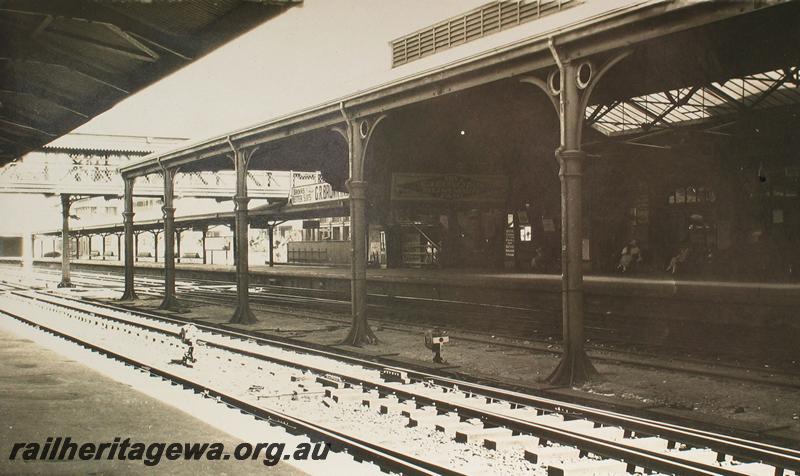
[(236, 151), (361, 130), (587, 75)]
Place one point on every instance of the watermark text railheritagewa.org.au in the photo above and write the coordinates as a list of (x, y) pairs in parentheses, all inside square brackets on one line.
[(64, 449)]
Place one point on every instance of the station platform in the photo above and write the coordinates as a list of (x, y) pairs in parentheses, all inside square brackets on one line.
[(45, 394), (665, 308), (788, 293)]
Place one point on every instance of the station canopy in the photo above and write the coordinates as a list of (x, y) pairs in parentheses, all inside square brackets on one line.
[(688, 62), (62, 62)]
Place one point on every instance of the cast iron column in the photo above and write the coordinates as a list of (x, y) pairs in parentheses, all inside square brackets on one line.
[(357, 133), (130, 248), (243, 314), (271, 237), (170, 302), (178, 245), (576, 81), (358, 268), (89, 236), (204, 230), (65, 281), (155, 242), (574, 367)]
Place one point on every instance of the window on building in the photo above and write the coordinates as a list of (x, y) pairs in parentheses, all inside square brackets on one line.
[(525, 233), (683, 195)]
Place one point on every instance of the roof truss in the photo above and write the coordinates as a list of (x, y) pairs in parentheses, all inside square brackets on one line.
[(664, 110)]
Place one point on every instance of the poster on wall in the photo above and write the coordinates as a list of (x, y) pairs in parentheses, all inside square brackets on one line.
[(509, 242)]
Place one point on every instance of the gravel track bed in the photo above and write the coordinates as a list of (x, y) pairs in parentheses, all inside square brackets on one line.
[(259, 382), (290, 390)]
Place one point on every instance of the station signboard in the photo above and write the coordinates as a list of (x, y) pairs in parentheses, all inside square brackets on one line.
[(314, 193), (449, 188)]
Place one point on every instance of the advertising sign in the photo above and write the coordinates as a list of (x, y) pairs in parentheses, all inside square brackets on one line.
[(313, 193), (449, 188)]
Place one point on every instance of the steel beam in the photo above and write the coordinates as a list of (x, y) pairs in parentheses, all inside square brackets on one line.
[(120, 22), (40, 96), (82, 40), (95, 76), (26, 127), (787, 75)]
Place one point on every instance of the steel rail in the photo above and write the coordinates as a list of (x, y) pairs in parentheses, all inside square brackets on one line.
[(675, 432), (780, 457), (384, 457), (544, 326)]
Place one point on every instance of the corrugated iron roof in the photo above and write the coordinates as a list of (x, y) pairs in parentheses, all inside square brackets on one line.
[(79, 142)]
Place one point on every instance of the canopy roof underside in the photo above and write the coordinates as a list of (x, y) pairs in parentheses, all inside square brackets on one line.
[(62, 62), (717, 100)]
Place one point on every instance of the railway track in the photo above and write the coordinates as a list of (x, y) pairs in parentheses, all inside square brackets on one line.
[(537, 321), (474, 428), (321, 305)]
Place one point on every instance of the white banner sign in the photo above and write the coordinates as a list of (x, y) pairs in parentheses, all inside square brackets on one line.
[(305, 178), (318, 192)]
